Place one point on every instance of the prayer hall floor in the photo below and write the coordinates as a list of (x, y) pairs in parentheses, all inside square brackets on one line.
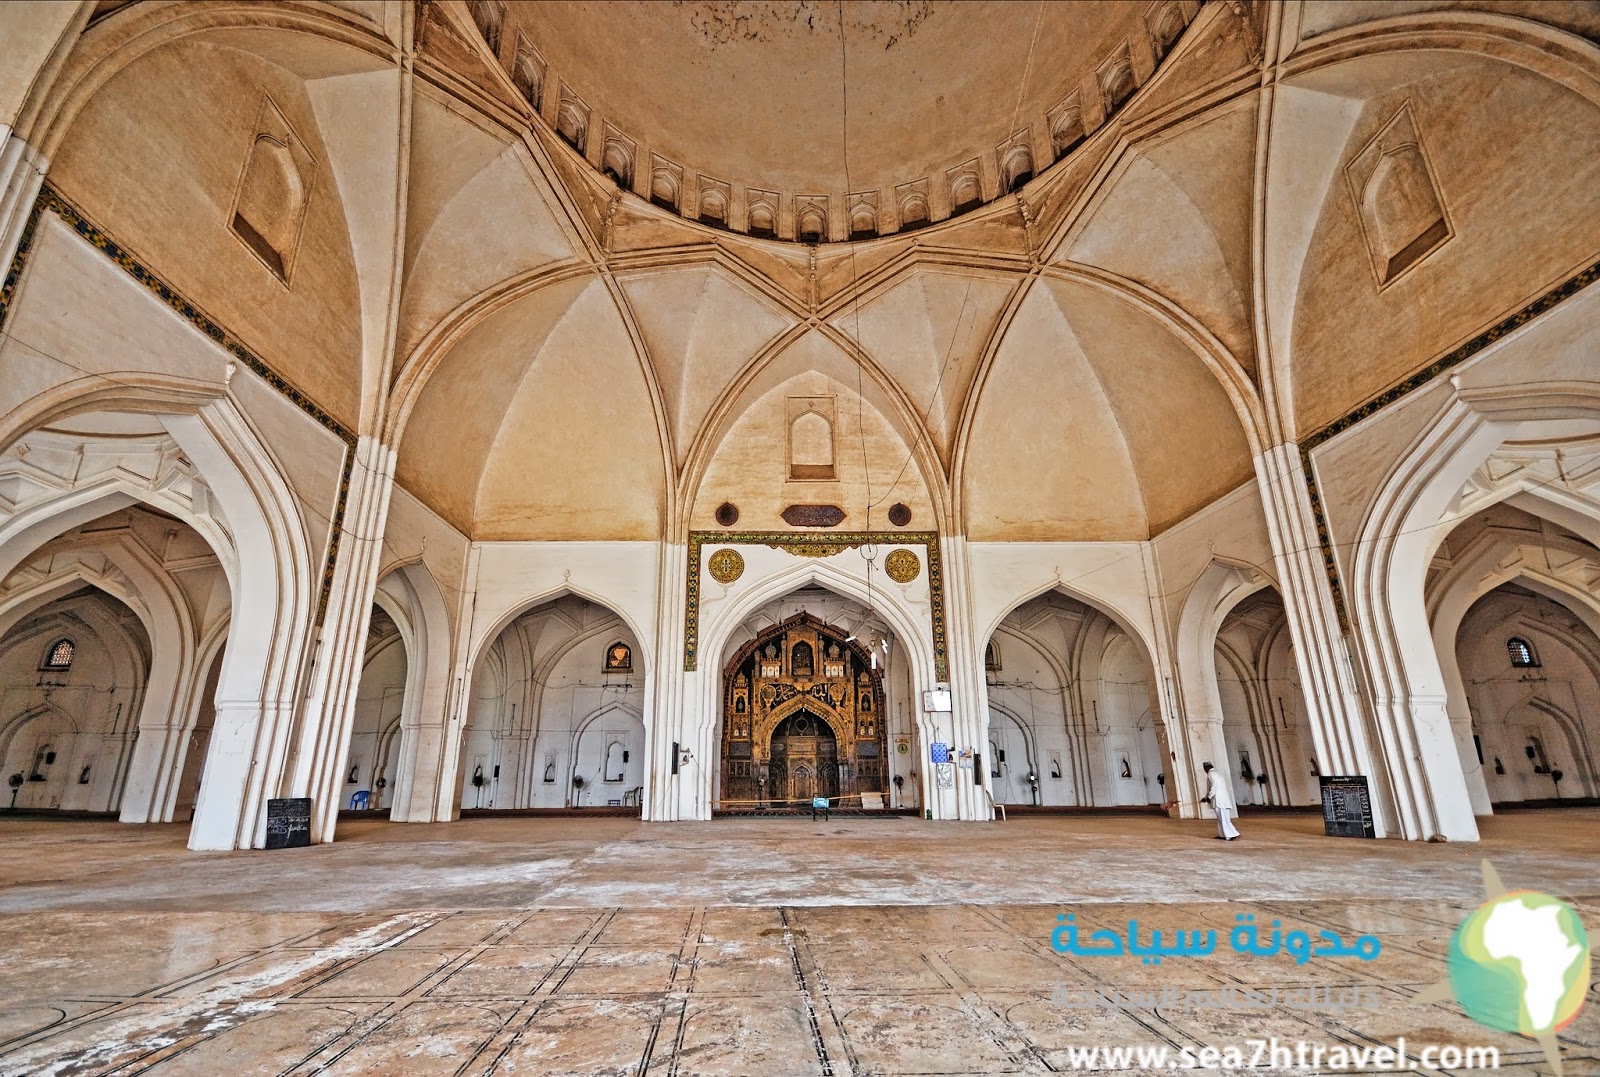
[(744, 946)]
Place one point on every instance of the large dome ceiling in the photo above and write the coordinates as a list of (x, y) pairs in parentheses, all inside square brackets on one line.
[(777, 102)]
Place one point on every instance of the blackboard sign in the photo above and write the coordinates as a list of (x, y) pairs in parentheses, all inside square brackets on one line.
[(289, 823), (1347, 807)]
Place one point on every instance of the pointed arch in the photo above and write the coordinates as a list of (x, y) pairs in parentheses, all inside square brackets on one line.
[(258, 523), (852, 367), (1416, 505)]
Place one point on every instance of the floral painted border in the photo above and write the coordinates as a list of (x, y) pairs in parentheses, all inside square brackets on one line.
[(815, 544), (1544, 303), (51, 200)]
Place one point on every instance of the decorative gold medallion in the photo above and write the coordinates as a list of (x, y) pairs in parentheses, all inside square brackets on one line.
[(727, 566), (902, 566)]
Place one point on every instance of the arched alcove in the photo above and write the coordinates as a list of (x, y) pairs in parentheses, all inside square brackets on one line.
[(194, 754), (73, 675), (376, 731), (1536, 726), (1266, 732), (608, 756), (545, 707), (803, 707), (199, 462), (1481, 449), (1078, 687), (860, 686)]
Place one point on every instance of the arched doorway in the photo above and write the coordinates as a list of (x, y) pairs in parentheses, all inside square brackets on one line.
[(1072, 702), (375, 730), (192, 489), (1265, 729), (1531, 671), (804, 759), (194, 755), (557, 686), (803, 709), (1013, 770), (608, 759), (73, 674), (1516, 629)]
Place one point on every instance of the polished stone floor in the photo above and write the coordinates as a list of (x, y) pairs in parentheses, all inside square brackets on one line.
[(763, 947)]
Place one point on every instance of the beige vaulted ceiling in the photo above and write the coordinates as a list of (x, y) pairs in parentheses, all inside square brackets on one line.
[(1093, 351)]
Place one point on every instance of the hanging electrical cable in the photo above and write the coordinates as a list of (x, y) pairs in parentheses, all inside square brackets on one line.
[(868, 550)]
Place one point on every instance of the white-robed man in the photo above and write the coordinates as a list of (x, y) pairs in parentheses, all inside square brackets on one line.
[(1220, 797)]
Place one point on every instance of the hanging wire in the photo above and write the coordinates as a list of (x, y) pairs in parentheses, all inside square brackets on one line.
[(869, 550), (966, 295)]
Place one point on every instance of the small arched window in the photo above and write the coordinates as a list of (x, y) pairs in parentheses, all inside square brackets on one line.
[(664, 189), (965, 192), (863, 221), (572, 124), (991, 658), (1017, 168), (528, 75), (617, 162), (60, 655), (1066, 130), (1522, 656), (913, 213), (619, 658), (811, 225), (763, 220), (714, 207), (490, 17), (803, 662), (1116, 82)]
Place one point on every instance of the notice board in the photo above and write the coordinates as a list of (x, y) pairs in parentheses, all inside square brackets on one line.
[(289, 823), (1347, 807)]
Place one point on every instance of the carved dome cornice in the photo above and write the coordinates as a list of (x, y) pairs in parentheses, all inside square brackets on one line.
[(732, 116)]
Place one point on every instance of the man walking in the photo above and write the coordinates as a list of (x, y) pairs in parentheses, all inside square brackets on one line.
[(1220, 797)]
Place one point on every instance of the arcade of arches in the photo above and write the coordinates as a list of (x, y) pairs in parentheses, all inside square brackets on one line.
[(427, 408)]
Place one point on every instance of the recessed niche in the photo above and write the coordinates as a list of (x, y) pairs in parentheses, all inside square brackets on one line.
[(811, 422), (616, 159), (762, 214), (966, 191), (1116, 80), (1016, 167), (715, 198), (1066, 126), (727, 514), (269, 208), (666, 180), (863, 216), (1397, 197), (527, 73), (572, 121), (911, 199), (811, 218)]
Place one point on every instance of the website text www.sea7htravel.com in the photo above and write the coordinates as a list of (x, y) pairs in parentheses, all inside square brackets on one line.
[(1279, 1055)]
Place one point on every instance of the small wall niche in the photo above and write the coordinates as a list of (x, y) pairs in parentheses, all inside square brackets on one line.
[(269, 207), (1397, 197), (811, 430)]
